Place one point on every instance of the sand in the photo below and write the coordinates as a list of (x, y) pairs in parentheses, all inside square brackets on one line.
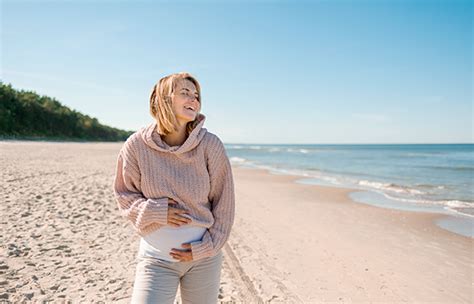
[(63, 239)]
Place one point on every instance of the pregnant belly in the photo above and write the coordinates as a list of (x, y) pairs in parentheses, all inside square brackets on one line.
[(159, 243)]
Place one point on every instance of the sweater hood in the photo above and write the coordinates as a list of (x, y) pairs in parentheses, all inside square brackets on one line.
[(151, 137)]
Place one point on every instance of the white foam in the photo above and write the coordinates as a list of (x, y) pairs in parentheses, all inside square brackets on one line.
[(458, 204), (237, 159), (389, 187), (449, 205), (459, 212)]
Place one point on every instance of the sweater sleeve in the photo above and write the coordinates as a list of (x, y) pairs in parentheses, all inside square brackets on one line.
[(222, 198), (132, 204)]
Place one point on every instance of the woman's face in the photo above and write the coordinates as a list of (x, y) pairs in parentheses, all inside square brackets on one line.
[(185, 101)]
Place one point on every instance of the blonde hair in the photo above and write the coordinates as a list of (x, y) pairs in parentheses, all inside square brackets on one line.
[(160, 103)]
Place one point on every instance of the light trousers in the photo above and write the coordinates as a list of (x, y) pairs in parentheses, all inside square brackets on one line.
[(157, 281)]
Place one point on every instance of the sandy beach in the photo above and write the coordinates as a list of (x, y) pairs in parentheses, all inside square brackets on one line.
[(64, 240)]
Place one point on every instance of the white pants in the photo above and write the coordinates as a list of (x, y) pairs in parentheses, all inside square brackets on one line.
[(156, 281)]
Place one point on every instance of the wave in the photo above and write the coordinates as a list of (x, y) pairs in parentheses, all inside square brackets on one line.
[(457, 206), (237, 159), (390, 187), (428, 186), (274, 149), (463, 211), (304, 151), (240, 147)]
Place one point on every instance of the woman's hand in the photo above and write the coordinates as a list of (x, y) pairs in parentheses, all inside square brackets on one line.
[(183, 255), (176, 216)]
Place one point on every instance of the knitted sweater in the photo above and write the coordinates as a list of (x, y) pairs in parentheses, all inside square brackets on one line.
[(196, 174)]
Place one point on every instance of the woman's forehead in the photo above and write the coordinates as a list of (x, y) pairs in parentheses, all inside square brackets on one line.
[(185, 83)]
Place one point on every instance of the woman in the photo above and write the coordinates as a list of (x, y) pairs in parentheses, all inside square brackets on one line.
[(174, 183)]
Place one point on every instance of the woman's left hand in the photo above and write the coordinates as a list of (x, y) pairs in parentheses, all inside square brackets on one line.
[(183, 255)]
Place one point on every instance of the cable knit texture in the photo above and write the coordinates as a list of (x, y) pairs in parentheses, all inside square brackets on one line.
[(196, 174)]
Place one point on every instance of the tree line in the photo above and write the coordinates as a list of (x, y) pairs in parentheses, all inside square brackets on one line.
[(27, 115)]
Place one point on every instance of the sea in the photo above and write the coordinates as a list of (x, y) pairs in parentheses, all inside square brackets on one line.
[(416, 177)]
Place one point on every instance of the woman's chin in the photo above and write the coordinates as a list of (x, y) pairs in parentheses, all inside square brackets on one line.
[(187, 118)]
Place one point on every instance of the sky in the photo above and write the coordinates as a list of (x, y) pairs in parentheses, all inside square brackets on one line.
[(271, 72)]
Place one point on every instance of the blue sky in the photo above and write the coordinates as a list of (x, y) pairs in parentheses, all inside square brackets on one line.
[(270, 71)]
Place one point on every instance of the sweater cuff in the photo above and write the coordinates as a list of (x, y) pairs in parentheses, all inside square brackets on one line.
[(158, 210), (201, 249)]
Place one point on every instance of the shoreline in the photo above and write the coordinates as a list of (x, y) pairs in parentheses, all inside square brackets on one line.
[(324, 247), (452, 221), (433, 216)]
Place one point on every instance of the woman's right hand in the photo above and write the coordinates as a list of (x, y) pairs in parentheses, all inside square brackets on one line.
[(175, 215)]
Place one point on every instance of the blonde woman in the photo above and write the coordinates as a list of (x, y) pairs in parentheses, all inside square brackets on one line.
[(174, 183)]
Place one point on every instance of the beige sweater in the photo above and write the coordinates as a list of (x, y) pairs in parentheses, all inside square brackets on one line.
[(196, 174)]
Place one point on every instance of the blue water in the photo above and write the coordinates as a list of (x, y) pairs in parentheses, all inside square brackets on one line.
[(410, 176)]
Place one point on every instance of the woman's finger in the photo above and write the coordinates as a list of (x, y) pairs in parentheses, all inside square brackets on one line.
[(181, 215), (182, 255), (176, 222), (179, 220), (177, 211), (172, 223)]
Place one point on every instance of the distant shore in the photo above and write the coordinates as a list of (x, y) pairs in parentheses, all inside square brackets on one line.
[(54, 139)]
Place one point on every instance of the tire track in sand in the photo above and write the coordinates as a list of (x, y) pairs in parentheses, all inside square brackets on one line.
[(249, 293)]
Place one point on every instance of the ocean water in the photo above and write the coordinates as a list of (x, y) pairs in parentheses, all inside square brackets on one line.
[(417, 177)]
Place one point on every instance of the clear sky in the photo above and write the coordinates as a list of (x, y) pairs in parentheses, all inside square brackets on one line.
[(271, 71)]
